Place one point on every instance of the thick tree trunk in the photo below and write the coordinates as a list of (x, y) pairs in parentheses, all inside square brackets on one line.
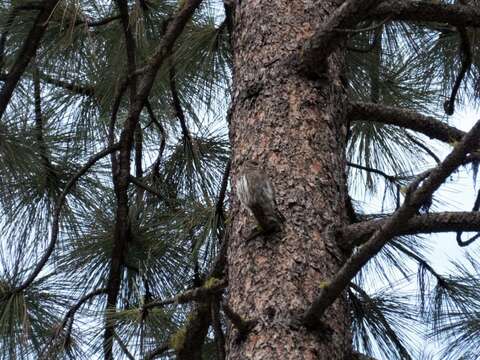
[(294, 127)]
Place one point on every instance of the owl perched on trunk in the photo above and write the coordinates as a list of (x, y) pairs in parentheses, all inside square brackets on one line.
[(256, 193)]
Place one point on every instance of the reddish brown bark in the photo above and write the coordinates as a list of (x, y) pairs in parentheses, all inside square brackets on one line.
[(294, 127)]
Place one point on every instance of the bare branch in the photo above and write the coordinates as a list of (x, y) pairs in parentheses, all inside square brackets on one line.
[(86, 90), (189, 346), (120, 91), (416, 197), (427, 125)]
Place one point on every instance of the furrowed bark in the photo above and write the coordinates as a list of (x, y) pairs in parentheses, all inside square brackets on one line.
[(295, 128)]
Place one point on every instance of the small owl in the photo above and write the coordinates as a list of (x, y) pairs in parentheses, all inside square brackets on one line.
[(256, 193)]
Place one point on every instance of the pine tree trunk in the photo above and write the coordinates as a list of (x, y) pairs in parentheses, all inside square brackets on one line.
[(294, 127)]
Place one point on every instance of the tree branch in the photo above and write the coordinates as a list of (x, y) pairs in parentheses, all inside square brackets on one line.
[(39, 125), (173, 30), (419, 192), (462, 243), (120, 91), (86, 90), (100, 22), (391, 178), (217, 329), (26, 53), (427, 125), (428, 11), (129, 45), (123, 346), (146, 187), (179, 113), (157, 352), (329, 35), (203, 293), (223, 191), (358, 233), (138, 158), (188, 346), (424, 148), (121, 178), (57, 212), (243, 326), (70, 314), (467, 57)]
